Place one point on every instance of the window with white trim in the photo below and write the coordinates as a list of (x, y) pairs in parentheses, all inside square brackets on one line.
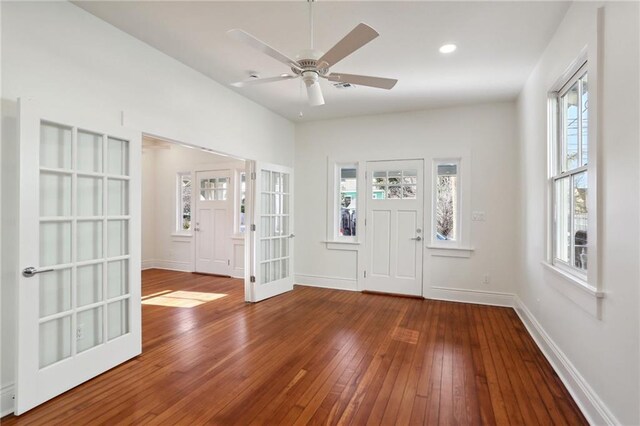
[(569, 175), (240, 207), (446, 202), (183, 222), (347, 194)]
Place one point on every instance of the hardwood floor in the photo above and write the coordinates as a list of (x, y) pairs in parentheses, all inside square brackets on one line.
[(317, 356)]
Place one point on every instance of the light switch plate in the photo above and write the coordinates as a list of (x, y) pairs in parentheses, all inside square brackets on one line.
[(478, 216)]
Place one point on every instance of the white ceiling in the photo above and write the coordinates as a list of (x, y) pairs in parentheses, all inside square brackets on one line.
[(498, 45)]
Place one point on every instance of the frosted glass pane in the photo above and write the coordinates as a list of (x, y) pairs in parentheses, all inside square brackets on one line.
[(264, 226), (55, 292), (89, 284), (118, 318), (89, 234), (265, 206), (276, 182), (285, 247), (89, 152), (118, 197), (118, 157), (275, 270), (264, 273), (284, 268), (55, 243), (55, 194), (89, 333), (266, 180), (117, 237), (285, 204), (55, 146), (55, 340), (117, 278), (265, 249), (275, 248), (285, 183), (284, 230), (89, 196)]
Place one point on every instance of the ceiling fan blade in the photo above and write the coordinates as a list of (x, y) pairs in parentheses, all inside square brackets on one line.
[(363, 80), (358, 37), (314, 93), (255, 81), (247, 38)]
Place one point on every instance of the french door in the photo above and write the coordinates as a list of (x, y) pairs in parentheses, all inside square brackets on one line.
[(213, 227), (394, 234), (271, 232), (78, 310)]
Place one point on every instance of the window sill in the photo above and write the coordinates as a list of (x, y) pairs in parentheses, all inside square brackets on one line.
[(575, 289), (450, 251), (575, 281), (342, 245), (182, 234)]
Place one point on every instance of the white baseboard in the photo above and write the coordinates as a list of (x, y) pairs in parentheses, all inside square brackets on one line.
[(6, 400), (167, 264), (593, 408), (350, 284), (478, 297), (148, 264)]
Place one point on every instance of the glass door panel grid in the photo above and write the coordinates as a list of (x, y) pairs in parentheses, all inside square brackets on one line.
[(274, 226), (84, 237)]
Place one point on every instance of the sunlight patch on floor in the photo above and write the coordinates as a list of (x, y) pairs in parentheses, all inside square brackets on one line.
[(181, 299)]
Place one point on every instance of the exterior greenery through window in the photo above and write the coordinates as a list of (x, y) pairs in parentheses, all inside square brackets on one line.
[(570, 175), (184, 202), (348, 195), (243, 192), (446, 202)]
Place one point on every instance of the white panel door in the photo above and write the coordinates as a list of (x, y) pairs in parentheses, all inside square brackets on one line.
[(394, 227), (272, 234), (79, 293), (213, 224)]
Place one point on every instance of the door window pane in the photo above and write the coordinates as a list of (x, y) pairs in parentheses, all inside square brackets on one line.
[(55, 194), (55, 292), (55, 341), (118, 157), (55, 243), (118, 197), (89, 152), (89, 196), (89, 284), (89, 244), (118, 318), (89, 329), (117, 278)]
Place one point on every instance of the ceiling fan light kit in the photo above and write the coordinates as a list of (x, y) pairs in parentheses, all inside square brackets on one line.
[(311, 64)]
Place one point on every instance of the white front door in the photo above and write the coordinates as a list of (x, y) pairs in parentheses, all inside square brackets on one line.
[(271, 232), (394, 227), (79, 292), (213, 226)]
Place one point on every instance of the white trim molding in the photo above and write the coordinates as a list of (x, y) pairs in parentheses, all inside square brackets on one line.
[(478, 297), (169, 265), (593, 408), (6, 399), (336, 283)]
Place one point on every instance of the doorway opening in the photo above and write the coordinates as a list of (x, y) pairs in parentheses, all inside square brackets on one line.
[(194, 212)]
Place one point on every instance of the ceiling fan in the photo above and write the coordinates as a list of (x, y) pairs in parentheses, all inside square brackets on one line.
[(312, 64)]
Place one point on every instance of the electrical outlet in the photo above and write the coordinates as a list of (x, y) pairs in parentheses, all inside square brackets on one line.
[(486, 279), (478, 216), (80, 332)]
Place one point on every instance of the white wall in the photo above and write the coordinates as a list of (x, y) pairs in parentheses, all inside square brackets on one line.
[(161, 246), (59, 54), (603, 354), (487, 132)]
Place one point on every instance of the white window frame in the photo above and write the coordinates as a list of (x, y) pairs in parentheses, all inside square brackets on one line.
[(435, 242), (334, 240), (237, 201), (179, 206), (585, 285)]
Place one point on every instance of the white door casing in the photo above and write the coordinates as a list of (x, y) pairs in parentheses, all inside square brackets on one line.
[(394, 227), (271, 239), (78, 313), (212, 230)]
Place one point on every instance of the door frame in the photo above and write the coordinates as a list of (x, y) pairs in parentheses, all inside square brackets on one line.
[(363, 253)]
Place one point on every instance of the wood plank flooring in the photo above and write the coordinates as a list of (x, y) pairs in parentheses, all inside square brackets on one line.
[(317, 356)]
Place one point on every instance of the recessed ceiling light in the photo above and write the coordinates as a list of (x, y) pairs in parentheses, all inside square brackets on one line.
[(448, 48)]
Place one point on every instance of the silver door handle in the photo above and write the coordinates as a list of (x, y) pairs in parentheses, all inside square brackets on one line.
[(292, 235), (31, 271), (418, 238)]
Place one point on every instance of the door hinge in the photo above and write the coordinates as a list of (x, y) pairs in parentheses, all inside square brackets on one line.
[(253, 226), (365, 222), (228, 262), (253, 175), (365, 274), (252, 279)]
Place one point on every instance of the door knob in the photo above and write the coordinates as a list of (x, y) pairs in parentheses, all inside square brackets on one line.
[(31, 271), (418, 238), (292, 235)]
